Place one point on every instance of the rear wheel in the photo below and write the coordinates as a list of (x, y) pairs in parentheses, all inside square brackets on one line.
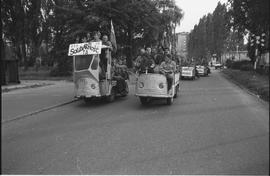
[(144, 100), (125, 92), (176, 91), (87, 100), (111, 97), (169, 101)]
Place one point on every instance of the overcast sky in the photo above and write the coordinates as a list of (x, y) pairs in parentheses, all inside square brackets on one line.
[(193, 11)]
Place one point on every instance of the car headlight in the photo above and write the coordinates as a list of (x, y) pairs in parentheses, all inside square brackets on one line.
[(161, 85), (141, 84), (93, 86)]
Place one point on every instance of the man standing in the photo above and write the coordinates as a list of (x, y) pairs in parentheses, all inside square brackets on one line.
[(147, 63), (159, 57), (139, 58), (96, 37), (105, 52), (168, 67), (88, 37)]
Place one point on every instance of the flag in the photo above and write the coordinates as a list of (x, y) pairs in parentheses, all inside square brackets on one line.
[(112, 37)]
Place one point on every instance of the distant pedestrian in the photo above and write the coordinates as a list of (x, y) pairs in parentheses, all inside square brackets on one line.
[(42, 55), (38, 63)]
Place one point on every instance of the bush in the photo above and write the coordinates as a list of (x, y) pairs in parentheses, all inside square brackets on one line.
[(238, 64), (59, 72), (228, 63), (263, 70), (246, 67)]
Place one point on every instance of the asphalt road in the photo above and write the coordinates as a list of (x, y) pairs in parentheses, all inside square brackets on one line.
[(213, 127), (24, 101)]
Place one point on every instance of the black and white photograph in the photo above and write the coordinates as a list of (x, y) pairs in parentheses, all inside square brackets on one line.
[(135, 87)]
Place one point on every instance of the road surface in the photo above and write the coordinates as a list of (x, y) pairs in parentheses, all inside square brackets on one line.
[(213, 127)]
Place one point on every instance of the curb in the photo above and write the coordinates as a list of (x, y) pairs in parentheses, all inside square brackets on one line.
[(38, 111), (244, 88), (4, 90)]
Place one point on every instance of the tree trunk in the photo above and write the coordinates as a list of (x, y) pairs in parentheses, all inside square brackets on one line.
[(129, 49), (23, 54)]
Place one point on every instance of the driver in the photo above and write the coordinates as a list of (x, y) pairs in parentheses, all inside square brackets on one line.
[(120, 76), (168, 67), (147, 63)]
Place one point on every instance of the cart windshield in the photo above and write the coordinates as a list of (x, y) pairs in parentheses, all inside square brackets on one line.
[(83, 62)]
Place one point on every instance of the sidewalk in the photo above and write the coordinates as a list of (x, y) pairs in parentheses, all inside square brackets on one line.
[(25, 84), (25, 101)]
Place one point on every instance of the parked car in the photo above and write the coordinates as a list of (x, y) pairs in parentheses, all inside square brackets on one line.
[(188, 72), (202, 70), (218, 65)]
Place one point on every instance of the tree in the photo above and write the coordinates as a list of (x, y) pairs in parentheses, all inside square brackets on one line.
[(58, 22), (209, 36), (251, 17)]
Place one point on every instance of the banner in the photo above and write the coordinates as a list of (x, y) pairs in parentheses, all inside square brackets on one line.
[(112, 37), (84, 48)]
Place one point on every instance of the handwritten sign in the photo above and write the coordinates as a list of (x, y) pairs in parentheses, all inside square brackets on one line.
[(84, 48)]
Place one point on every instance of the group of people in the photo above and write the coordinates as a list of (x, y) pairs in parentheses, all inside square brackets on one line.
[(156, 62), (104, 52)]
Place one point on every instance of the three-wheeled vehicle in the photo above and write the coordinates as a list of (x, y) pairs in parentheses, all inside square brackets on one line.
[(90, 79), (154, 86), (202, 70), (188, 72)]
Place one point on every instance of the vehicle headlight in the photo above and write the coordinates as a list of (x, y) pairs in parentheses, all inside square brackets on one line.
[(141, 84), (161, 85), (93, 86)]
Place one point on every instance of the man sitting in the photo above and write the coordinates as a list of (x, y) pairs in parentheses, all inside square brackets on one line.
[(120, 74), (139, 59), (168, 67)]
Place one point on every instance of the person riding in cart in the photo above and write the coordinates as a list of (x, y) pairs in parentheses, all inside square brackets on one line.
[(168, 67)]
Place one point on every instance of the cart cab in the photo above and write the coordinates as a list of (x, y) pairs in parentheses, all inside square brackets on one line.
[(202, 70), (154, 85), (90, 80), (188, 72)]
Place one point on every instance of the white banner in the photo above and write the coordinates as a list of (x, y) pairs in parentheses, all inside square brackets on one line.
[(84, 48)]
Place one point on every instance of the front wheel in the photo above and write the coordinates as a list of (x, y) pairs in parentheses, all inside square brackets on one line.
[(144, 100), (111, 97), (126, 91), (87, 100), (176, 91), (169, 101)]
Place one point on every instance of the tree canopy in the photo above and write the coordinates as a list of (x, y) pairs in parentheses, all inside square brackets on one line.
[(136, 23)]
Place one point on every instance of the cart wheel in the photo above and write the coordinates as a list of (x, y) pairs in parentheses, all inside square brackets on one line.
[(126, 91), (176, 92), (87, 100), (144, 100), (169, 101), (111, 97)]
